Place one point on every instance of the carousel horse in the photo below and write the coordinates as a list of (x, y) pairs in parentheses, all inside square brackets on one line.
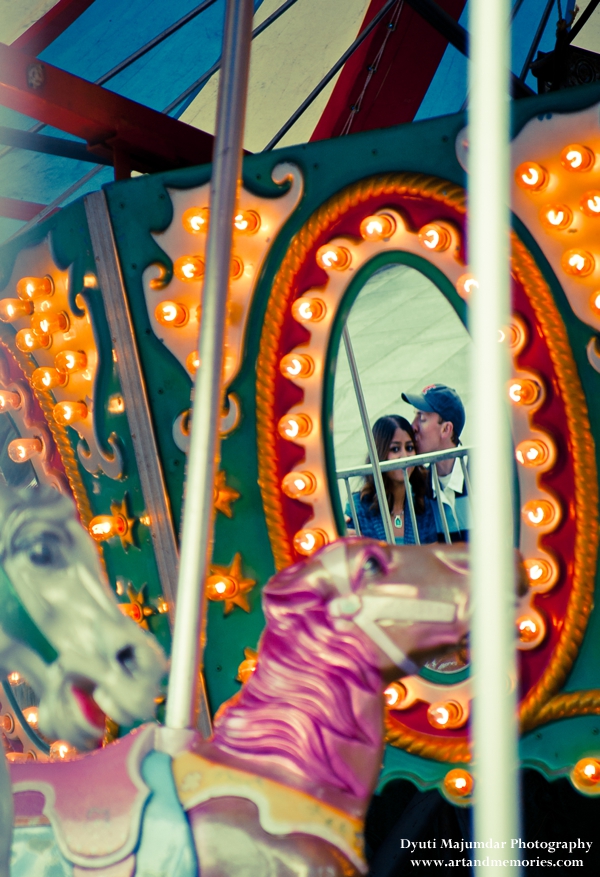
[(60, 627), (282, 786)]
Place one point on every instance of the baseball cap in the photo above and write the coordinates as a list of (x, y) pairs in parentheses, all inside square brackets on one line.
[(442, 400)]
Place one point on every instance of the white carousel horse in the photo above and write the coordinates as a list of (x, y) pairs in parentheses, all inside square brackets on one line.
[(61, 628)]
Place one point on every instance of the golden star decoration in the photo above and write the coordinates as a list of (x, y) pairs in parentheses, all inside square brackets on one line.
[(121, 510), (224, 495), (227, 584), (138, 607)]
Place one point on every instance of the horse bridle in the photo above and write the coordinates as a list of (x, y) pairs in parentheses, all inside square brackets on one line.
[(17, 623)]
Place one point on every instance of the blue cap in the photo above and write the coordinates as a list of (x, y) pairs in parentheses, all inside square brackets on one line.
[(442, 400)]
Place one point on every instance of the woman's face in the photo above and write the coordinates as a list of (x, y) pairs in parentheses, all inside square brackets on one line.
[(401, 446)]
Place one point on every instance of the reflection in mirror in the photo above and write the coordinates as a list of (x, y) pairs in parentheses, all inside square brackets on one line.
[(405, 336)]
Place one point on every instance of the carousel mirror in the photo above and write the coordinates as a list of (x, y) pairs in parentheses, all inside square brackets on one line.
[(405, 336)]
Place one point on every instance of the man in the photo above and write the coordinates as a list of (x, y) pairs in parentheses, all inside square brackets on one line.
[(439, 421)]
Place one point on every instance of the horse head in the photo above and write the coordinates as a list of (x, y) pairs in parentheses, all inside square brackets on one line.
[(409, 602), (60, 624)]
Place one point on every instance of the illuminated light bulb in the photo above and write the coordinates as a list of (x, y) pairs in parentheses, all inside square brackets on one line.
[(540, 572), (379, 227), (517, 335), (13, 309), (458, 783), (60, 750), (595, 302), (67, 413), (294, 426), (162, 607), (590, 203), (237, 268), (540, 513), (308, 310), (297, 365), (529, 629), (579, 263), (47, 324), (30, 288), (435, 237), (466, 285), (116, 404), (531, 176), (7, 724), (394, 695), (533, 452), (556, 216), (90, 281), (48, 378), (248, 666), (524, 391), (586, 772), (298, 484), (26, 341), (576, 157), (247, 221), (447, 714), (308, 541), (103, 527), (14, 678), (221, 587), (192, 362), (338, 258), (22, 449), (172, 314), (189, 268), (69, 361), (31, 716), (9, 401), (195, 220)]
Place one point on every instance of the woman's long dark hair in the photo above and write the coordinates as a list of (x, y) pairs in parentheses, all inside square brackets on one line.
[(383, 433)]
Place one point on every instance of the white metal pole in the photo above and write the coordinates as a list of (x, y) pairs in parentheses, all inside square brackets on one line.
[(493, 658), (204, 453)]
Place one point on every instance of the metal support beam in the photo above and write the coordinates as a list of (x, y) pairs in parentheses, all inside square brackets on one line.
[(204, 452), (50, 145)]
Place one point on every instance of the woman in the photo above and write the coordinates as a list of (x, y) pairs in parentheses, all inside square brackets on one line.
[(395, 439)]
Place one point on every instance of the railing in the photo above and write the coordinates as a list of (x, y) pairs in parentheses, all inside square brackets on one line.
[(406, 463)]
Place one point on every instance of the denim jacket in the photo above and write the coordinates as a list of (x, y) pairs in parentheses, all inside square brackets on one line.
[(371, 523)]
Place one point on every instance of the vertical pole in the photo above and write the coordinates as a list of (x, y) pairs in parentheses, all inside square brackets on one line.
[(495, 729), (204, 453), (364, 416)]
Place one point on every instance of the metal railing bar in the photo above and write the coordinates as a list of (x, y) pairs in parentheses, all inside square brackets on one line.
[(438, 495), (536, 40), (406, 462), (364, 416), (411, 510), (352, 506), (465, 472)]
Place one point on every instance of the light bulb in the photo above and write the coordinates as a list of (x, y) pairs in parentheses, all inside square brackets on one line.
[(172, 314), (576, 157), (60, 750), (540, 572), (294, 426), (30, 288), (22, 449), (458, 783), (524, 391), (192, 362), (530, 629), (556, 216), (531, 176), (247, 221), (306, 542), (379, 227), (9, 401), (540, 513), (237, 268), (532, 453), (466, 285), (195, 219), (586, 773), (297, 365), (26, 341), (298, 484), (103, 527), (31, 716), (308, 310), (446, 714), (221, 587), (435, 237), (13, 309), (590, 203), (69, 361), (338, 258), (67, 413), (189, 268), (394, 695), (47, 324), (47, 378), (579, 263)]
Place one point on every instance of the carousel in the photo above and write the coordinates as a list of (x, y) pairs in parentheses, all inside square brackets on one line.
[(204, 671)]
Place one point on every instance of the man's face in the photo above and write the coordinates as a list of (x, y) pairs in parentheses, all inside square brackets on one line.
[(429, 433)]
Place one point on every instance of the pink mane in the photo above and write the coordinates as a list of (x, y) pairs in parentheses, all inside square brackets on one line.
[(314, 704)]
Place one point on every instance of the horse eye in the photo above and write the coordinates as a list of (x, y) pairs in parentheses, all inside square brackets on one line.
[(45, 551), (372, 566)]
